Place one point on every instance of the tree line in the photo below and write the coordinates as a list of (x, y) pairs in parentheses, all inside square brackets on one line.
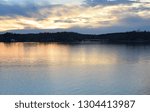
[(72, 37)]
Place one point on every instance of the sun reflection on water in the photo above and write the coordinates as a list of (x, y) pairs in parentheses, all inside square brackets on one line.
[(53, 53)]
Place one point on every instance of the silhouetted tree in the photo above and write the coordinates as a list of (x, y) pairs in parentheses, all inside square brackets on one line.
[(71, 37)]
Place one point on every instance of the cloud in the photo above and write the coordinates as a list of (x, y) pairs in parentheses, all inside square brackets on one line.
[(76, 17), (41, 2), (13, 10), (22, 8), (26, 2), (65, 21), (106, 2), (113, 2)]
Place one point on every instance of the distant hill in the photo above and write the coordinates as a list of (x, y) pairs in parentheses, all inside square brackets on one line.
[(71, 37)]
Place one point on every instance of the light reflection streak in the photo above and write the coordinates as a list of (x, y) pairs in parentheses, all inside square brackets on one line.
[(35, 53)]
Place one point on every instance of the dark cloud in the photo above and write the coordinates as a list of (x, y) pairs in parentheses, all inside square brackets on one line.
[(97, 2), (65, 21), (134, 21), (20, 10), (12, 10)]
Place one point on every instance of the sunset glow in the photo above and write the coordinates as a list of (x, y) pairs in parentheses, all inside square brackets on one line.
[(49, 15)]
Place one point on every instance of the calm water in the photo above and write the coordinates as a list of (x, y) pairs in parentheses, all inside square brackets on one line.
[(33, 68)]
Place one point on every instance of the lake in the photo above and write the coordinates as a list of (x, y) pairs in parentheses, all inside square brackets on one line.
[(74, 69)]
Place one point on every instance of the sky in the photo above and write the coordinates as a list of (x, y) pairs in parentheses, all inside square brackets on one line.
[(82, 16)]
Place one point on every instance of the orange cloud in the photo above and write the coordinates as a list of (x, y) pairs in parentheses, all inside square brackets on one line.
[(68, 16)]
